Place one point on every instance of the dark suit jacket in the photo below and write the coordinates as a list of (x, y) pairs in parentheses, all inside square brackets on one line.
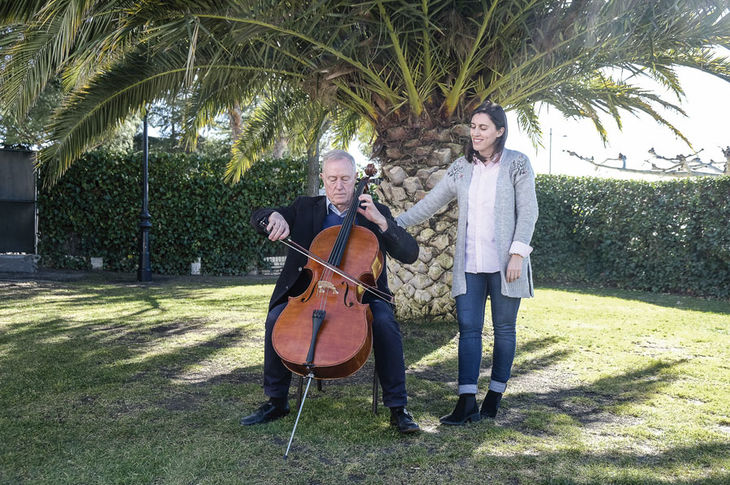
[(305, 217)]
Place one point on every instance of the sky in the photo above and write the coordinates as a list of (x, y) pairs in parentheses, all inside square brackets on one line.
[(707, 104)]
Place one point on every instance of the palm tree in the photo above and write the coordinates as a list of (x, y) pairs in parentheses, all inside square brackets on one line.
[(291, 115), (410, 69)]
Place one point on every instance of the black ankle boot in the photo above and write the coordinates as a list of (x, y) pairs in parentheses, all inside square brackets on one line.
[(466, 411), (491, 404)]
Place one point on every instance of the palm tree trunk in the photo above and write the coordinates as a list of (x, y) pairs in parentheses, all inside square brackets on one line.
[(234, 118), (313, 170), (280, 145), (413, 161)]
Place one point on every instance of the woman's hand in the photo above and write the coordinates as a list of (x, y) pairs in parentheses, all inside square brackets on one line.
[(514, 268)]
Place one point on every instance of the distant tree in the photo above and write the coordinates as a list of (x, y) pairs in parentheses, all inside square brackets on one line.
[(30, 130), (680, 165)]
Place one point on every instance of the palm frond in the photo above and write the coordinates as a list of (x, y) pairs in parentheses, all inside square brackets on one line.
[(260, 131)]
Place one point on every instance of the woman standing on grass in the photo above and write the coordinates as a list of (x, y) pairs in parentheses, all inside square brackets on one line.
[(495, 190)]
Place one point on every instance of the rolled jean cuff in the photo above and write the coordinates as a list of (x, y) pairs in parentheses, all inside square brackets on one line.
[(499, 387), (468, 389)]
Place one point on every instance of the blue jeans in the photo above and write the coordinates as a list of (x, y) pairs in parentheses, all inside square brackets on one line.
[(387, 346), (470, 314)]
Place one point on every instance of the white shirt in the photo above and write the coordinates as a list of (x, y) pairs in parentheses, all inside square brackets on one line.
[(481, 246), (331, 208)]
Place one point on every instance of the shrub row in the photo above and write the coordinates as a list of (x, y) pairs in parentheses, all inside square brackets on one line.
[(670, 236), (656, 236), (94, 211)]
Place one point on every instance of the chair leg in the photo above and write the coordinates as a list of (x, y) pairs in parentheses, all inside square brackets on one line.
[(299, 391), (375, 390)]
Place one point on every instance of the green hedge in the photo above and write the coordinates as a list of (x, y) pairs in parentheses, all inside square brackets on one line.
[(669, 236), (656, 236), (94, 211)]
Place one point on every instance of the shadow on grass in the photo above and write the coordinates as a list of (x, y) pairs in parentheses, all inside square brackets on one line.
[(668, 300), (589, 404), (45, 358), (114, 386), (616, 466)]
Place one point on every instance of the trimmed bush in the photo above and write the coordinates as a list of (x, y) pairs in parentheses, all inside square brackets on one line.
[(657, 236), (94, 211), (671, 236)]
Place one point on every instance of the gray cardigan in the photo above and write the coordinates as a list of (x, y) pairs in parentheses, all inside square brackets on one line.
[(515, 211)]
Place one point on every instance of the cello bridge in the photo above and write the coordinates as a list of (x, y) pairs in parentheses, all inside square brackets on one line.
[(323, 286)]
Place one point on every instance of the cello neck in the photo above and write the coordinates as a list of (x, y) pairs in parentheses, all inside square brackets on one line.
[(338, 250)]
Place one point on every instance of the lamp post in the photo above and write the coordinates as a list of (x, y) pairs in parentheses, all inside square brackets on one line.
[(144, 273)]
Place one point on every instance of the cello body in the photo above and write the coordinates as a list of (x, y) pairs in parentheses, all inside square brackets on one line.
[(344, 340)]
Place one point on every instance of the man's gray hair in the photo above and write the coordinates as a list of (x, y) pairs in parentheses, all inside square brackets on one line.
[(339, 155)]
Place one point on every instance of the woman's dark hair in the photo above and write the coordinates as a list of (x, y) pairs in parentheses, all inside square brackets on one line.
[(496, 114)]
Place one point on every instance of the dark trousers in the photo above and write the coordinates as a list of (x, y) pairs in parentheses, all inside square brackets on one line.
[(387, 345)]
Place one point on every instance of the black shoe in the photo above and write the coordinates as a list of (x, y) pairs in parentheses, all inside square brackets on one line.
[(268, 411), (401, 419), (466, 411), (490, 404)]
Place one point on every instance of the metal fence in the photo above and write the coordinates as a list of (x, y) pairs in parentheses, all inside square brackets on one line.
[(18, 215)]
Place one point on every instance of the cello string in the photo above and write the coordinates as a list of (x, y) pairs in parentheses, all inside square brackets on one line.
[(374, 290), (338, 248)]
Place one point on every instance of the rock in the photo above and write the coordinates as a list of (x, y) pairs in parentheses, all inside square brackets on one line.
[(396, 175), (412, 185), (440, 157), (420, 281), (419, 267), (398, 194), (404, 274), (444, 135), (394, 283), (445, 261), (448, 278), (443, 307), (423, 174), (435, 272), (386, 189), (434, 178), (453, 212), (444, 225), (422, 297), (425, 254), (425, 235), (440, 242), (438, 290)]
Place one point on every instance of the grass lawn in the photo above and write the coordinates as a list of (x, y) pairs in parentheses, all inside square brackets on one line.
[(103, 380)]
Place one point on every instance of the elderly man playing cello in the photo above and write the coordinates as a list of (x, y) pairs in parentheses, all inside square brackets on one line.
[(302, 221)]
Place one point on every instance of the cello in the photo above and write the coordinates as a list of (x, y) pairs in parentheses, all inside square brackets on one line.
[(326, 331)]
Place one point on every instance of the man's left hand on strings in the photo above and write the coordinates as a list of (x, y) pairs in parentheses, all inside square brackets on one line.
[(367, 208)]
